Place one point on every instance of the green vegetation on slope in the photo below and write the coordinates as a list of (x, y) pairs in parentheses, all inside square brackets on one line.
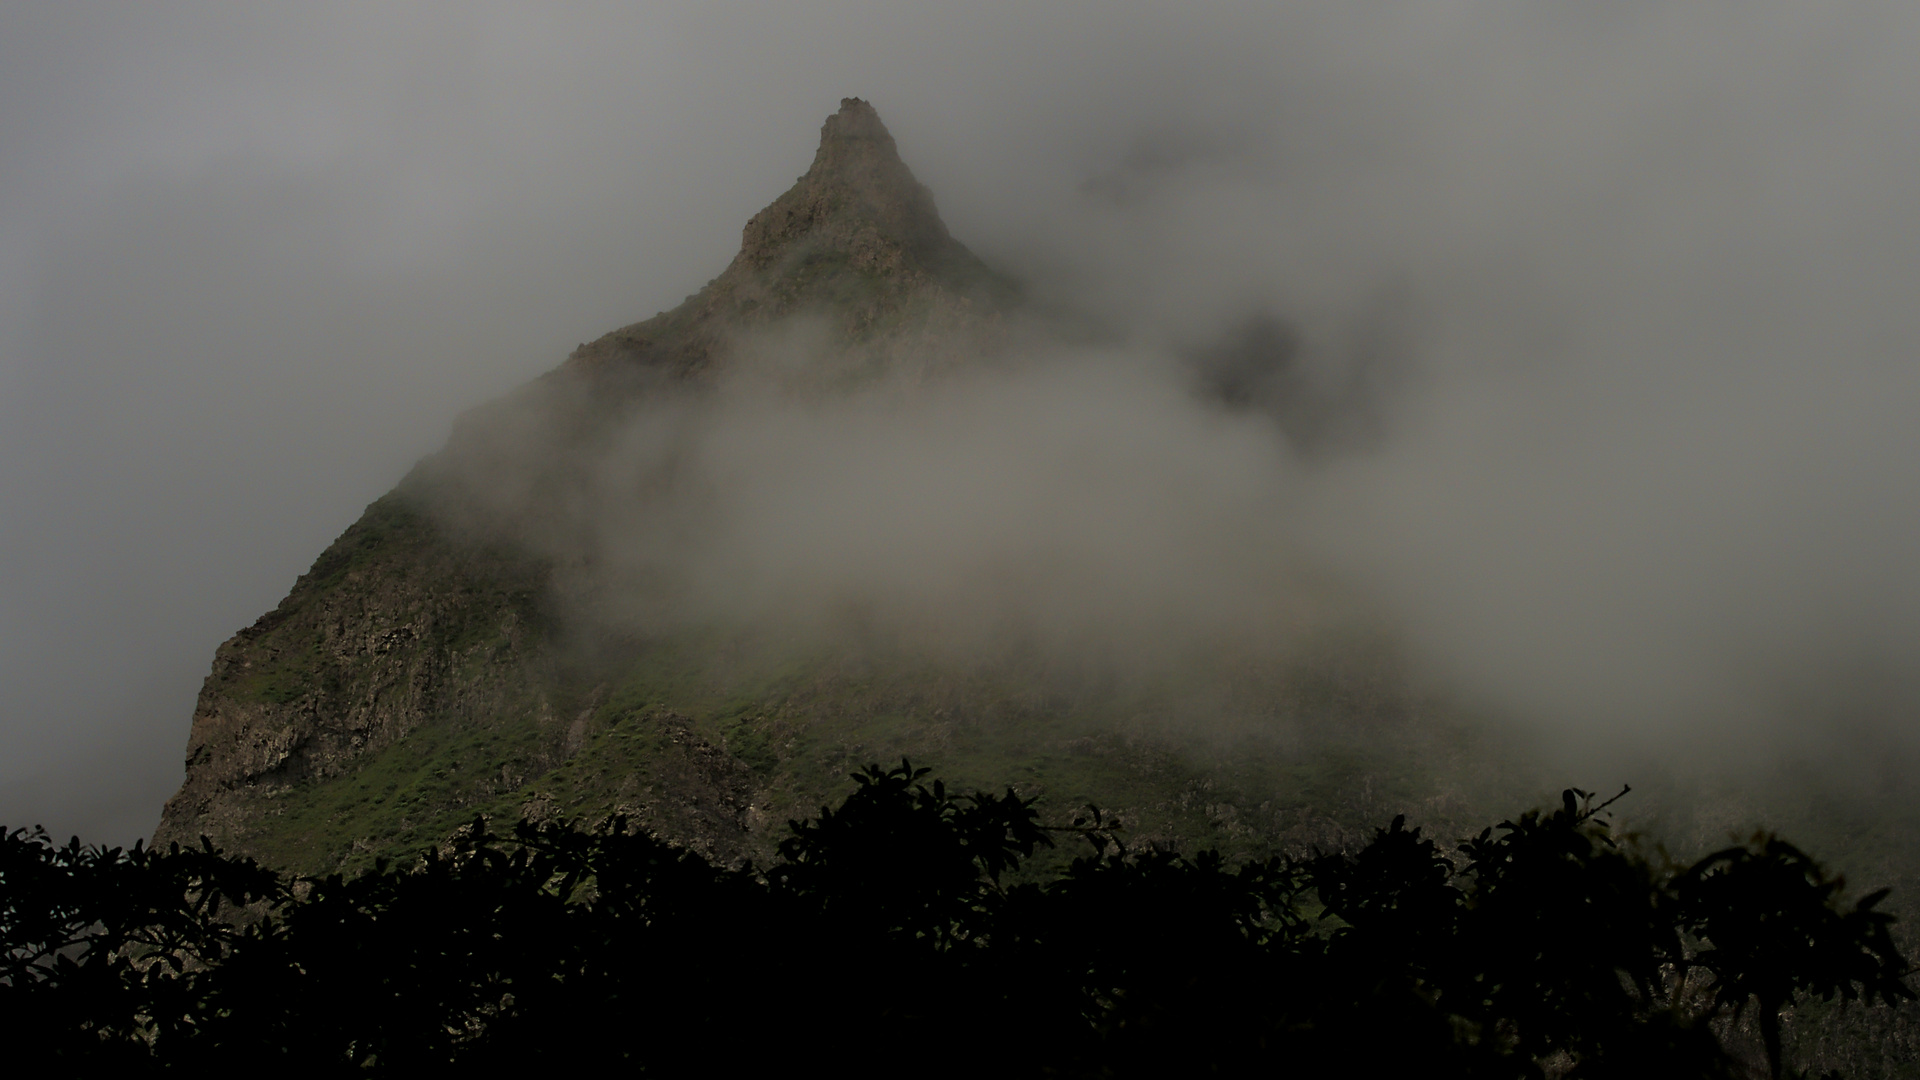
[(720, 752)]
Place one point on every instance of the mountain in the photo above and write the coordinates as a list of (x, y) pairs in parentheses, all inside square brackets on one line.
[(496, 637), (500, 634), (443, 657)]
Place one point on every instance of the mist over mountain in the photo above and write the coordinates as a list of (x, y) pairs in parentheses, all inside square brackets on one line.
[(1575, 347), (1257, 420)]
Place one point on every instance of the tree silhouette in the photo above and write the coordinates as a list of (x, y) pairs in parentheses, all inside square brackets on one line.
[(901, 927)]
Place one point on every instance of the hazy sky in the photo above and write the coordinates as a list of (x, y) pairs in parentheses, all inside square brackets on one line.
[(1657, 459)]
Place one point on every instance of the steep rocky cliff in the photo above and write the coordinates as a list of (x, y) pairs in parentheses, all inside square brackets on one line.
[(393, 631)]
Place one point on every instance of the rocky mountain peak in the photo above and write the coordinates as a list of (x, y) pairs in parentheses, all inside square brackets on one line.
[(858, 200), (856, 241)]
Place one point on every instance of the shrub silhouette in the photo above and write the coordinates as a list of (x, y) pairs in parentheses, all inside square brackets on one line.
[(897, 930)]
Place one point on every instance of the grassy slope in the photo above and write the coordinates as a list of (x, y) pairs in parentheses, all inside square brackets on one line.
[(1326, 763)]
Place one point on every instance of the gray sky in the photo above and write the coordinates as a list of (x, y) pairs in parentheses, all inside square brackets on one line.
[(1657, 462)]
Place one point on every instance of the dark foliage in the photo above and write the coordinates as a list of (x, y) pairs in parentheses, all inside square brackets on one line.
[(895, 929)]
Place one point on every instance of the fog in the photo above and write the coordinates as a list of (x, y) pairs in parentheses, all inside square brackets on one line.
[(1085, 503), (1626, 291)]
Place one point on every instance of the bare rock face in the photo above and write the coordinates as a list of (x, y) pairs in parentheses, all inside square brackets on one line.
[(391, 631)]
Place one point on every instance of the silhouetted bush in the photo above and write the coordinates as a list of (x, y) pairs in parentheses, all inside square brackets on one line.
[(889, 933)]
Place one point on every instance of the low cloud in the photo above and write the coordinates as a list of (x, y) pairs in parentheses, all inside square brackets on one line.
[(1605, 315)]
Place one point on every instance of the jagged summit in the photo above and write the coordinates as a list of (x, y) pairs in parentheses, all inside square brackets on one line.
[(857, 240), (858, 200)]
